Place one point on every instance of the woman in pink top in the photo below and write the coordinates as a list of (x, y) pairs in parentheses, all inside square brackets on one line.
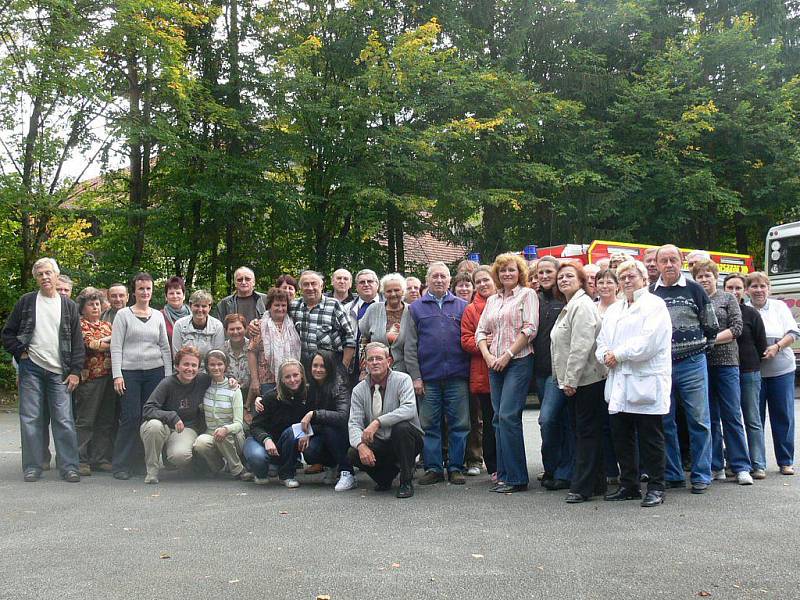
[(511, 317)]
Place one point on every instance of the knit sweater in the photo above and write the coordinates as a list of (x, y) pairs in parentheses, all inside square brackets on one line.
[(137, 345), (729, 316), (694, 324), (223, 407)]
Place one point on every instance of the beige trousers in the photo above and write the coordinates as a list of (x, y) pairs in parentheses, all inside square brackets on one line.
[(158, 437), (213, 452)]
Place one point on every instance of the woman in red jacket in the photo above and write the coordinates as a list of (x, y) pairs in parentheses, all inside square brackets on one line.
[(478, 371)]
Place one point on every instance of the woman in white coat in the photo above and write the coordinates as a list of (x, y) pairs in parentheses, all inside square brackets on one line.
[(635, 344)]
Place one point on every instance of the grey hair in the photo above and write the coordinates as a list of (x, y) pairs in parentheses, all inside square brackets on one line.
[(627, 265), (201, 297), (700, 254), (380, 345), (45, 260), (248, 269), (366, 272), (669, 247), (433, 265), (397, 278), (316, 274), (349, 274), (64, 278)]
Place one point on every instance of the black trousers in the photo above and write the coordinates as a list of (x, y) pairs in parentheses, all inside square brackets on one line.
[(489, 447), (392, 456), (625, 428), (588, 412)]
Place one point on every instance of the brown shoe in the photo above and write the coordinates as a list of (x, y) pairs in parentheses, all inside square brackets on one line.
[(456, 478), (84, 470), (313, 469), (105, 467), (787, 470), (430, 478)]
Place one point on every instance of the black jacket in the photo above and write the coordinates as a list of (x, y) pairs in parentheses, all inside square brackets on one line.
[(18, 332), (331, 404), (752, 341), (549, 309), (277, 416)]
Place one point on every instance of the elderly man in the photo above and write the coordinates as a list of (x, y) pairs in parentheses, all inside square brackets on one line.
[(321, 322), (440, 370), (118, 299), (413, 286), (695, 256), (591, 275), (367, 290), (384, 428), (694, 328), (649, 260), (64, 285), (245, 301), (43, 333), (342, 282)]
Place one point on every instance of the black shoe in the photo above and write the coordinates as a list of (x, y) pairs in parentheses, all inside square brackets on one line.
[(31, 476), (671, 485), (624, 493), (406, 490), (383, 487), (123, 475), (556, 484), (644, 477), (575, 498), (699, 488), (653, 498), (506, 488), (546, 476), (72, 476)]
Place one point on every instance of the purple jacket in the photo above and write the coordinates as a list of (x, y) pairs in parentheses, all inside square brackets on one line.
[(432, 348)]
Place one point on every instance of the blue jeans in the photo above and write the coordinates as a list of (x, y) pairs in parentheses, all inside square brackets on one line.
[(509, 391), (328, 446), (39, 387), (690, 387), (558, 439), (451, 398), (258, 460), (750, 389), (256, 457), (777, 395), (726, 420), (128, 444)]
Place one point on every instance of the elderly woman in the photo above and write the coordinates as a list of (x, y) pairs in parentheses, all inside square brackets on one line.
[(777, 368), (509, 322), (95, 401), (413, 286), (288, 284), (752, 344), (272, 439), (199, 329), (223, 409), (723, 377), (175, 308), (582, 378), (140, 358), (277, 342), (478, 370), (383, 322), (635, 343)]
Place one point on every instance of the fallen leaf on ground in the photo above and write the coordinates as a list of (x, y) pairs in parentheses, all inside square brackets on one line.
[(325, 597), (395, 565), (704, 594), (477, 556), (233, 581), (155, 495), (165, 555), (283, 512)]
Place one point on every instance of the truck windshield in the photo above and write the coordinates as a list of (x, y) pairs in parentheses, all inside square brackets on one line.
[(784, 255)]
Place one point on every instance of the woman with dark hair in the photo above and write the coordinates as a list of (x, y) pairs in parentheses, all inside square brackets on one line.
[(463, 286), (95, 402), (582, 378), (752, 344), (287, 283), (272, 438), (140, 358), (176, 307), (328, 410), (607, 287)]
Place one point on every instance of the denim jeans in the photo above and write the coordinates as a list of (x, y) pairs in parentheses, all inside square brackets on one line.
[(726, 420), (690, 388), (256, 458), (138, 387), (39, 387), (509, 391), (558, 438), (777, 396), (451, 398), (328, 446), (750, 388)]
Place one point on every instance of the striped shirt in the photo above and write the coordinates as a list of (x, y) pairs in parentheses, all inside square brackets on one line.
[(508, 315), (324, 327), (223, 407)]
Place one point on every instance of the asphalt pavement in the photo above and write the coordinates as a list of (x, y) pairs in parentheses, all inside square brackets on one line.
[(195, 538)]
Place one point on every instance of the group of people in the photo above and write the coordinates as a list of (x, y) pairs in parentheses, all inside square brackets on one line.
[(625, 357)]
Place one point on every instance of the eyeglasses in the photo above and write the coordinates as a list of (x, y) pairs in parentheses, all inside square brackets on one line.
[(367, 282)]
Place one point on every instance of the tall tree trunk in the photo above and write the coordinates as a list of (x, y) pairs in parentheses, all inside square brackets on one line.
[(391, 240), (27, 218), (136, 190), (399, 240)]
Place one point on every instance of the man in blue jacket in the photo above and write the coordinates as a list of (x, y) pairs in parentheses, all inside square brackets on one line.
[(439, 368)]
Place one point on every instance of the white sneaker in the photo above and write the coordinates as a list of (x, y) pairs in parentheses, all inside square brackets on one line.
[(330, 476), (346, 482), (261, 481), (473, 471), (291, 483), (744, 478), (718, 475)]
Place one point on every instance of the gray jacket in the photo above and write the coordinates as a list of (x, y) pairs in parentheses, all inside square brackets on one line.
[(399, 404), (573, 342), (228, 306), (373, 328)]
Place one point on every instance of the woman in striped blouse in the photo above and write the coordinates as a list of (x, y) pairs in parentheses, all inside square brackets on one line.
[(511, 317)]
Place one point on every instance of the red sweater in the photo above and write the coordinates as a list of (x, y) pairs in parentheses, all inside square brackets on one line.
[(478, 371)]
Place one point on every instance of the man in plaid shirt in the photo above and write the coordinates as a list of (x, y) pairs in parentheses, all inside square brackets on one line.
[(321, 322)]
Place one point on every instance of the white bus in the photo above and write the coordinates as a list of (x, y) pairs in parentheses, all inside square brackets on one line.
[(782, 264)]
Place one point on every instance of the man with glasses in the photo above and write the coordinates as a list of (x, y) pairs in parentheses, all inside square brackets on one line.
[(246, 300), (367, 290)]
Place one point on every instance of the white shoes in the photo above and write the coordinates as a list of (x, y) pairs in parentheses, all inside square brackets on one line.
[(260, 481), (718, 475), (744, 478), (330, 476), (473, 471), (346, 482), (291, 483)]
